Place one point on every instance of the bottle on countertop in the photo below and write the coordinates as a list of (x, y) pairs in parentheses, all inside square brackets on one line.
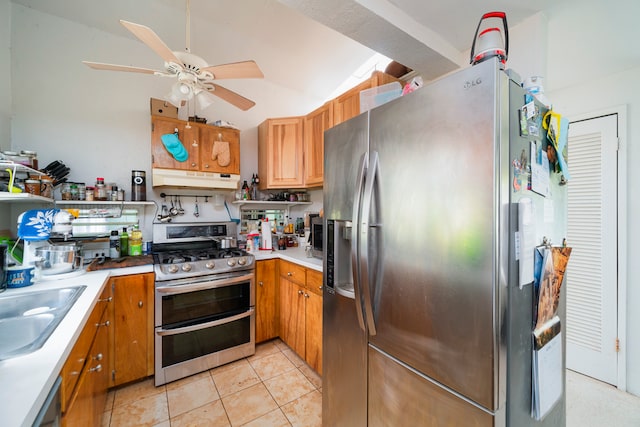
[(135, 241), (254, 186), (114, 244), (246, 194), (124, 242)]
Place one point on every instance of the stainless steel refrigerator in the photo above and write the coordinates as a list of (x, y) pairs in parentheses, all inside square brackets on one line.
[(425, 321)]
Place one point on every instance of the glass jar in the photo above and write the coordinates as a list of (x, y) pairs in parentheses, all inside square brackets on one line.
[(73, 188), (100, 192), (65, 191), (89, 195)]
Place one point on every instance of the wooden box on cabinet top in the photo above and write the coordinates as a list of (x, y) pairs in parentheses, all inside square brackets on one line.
[(200, 142)]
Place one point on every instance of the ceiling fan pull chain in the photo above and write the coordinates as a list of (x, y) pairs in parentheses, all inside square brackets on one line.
[(188, 26)]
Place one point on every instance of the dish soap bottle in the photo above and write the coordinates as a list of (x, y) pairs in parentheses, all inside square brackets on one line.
[(124, 242), (135, 242)]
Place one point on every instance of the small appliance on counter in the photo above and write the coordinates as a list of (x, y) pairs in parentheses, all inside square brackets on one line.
[(35, 229)]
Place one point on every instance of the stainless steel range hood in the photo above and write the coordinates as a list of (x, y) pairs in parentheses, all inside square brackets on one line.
[(193, 179)]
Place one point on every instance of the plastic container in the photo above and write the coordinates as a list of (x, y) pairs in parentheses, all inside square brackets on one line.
[(124, 242), (100, 191), (20, 277), (376, 96), (114, 244), (135, 242)]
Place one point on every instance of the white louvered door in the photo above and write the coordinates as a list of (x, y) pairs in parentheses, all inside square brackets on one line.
[(592, 279)]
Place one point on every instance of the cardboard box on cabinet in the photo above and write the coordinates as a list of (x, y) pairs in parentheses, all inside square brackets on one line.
[(160, 107)]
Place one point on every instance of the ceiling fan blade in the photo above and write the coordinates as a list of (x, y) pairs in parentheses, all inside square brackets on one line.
[(151, 39), (112, 67), (236, 70), (231, 97)]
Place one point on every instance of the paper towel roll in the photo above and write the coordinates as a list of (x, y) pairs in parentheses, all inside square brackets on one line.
[(265, 244)]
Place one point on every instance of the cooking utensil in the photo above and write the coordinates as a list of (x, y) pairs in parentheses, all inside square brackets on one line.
[(173, 211), (195, 211), (11, 188), (180, 210), (58, 259)]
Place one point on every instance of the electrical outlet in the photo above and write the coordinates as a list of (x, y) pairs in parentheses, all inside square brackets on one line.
[(94, 253)]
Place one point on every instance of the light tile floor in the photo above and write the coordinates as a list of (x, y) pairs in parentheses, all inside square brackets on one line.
[(274, 387)]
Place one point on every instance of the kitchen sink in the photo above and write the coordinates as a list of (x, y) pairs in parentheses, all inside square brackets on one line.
[(27, 320)]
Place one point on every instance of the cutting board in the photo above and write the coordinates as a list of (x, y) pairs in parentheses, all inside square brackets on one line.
[(129, 261)]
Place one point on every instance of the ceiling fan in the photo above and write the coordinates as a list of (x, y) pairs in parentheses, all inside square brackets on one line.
[(195, 78)]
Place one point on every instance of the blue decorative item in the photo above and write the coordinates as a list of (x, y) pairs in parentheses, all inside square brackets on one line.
[(174, 146), (36, 224)]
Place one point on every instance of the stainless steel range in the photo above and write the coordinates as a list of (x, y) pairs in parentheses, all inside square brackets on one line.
[(204, 299)]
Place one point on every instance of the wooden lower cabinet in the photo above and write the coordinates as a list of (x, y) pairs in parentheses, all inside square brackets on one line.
[(267, 317), (85, 377), (301, 312), (132, 333), (292, 315)]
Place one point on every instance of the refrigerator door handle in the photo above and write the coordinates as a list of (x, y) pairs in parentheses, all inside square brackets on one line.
[(363, 242), (355, 247)]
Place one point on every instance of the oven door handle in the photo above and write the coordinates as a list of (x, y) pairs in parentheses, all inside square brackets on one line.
[(199, 326), (199, 286)]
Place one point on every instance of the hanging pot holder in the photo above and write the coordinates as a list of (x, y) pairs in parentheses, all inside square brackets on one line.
[(174, 146), (221, 152)]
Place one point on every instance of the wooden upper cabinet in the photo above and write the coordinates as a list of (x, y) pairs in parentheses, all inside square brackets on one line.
[(347, 105), (201, 142), (315, 123), (161, 158), (280, 159), (213, 143)]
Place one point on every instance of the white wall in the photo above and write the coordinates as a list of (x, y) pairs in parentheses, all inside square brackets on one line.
[(98, 122), (606, 79), (618, 89), (5, 92)]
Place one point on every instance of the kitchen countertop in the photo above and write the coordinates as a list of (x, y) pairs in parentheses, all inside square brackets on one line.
[(293, 254), (26, 380)]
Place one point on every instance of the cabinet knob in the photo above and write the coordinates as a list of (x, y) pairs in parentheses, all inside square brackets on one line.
[(140, 304), (300, 292), (206, 166), (320, 287), (289, 273), (98, 356), (107, 323), (261, 284), (106, 299), (193, 165), (306, 295), (96, 369)]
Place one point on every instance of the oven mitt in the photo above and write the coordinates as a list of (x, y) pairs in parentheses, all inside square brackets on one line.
[(174, 146), (221, 152)]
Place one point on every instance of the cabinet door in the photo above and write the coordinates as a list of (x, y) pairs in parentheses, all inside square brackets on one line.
[(132, 327), (347, 105), (267, 312), (88, 401), (280, 159), (226, 137), (292, 317), (161, 158), (315, 124), (77, 359), (313, 330)]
